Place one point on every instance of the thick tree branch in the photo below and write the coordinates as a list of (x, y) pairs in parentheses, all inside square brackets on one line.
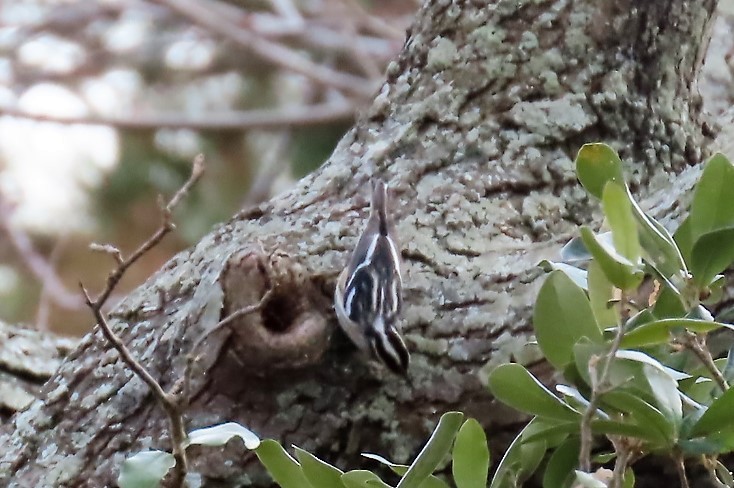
[(475, 129)]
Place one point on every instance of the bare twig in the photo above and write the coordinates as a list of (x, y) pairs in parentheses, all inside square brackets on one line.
[(376, 24), (237, 314), (695, 344), (291, 116), (169, 401), (202, 14), (108, 249), (184, 383), (166, 226), (620, 465), (599, 386), (44, 305), (680, 466), (272, 164), (44, 272), (287, 9)]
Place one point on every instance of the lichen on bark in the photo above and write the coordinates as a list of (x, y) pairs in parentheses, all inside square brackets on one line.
[(475, 129)]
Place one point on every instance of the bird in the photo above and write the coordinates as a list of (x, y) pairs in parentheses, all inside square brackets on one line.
[(368, 294)]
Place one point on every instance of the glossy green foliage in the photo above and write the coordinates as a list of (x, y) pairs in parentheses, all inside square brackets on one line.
[(470, 456), (562, 316), (711, 221), (596, 165), (608, 338), (514, 385)]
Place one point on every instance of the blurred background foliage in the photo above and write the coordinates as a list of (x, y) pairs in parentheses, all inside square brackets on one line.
[(104, 104)]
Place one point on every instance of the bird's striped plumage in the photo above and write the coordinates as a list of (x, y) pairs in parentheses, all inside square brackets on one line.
[(368, 295)]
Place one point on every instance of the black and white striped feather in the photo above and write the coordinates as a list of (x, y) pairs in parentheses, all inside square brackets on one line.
[(368, 294)]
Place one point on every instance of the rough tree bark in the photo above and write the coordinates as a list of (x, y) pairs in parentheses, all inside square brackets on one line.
[(475, 129)]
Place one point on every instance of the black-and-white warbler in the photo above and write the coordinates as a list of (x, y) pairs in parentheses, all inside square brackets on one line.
[(368, 294)]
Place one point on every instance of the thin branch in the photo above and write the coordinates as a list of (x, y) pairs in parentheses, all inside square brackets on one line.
[(201, 13), (376, 24), (166, 226), (168, 401), (680, 466), (272, 164), (44, 272), (287, 9), (694, 343), (620, 465), (599, 386), (292, 116), (44, 302), (184, 383)]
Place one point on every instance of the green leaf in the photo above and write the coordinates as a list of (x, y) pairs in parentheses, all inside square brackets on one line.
[(669, 304), (552, 433), (618, 211), (711, 220), (596, 165), (658, 245), (600, 293), (434, 451), (717, 417), (712, 253), (721, 442), (575, 252), (513, 385), (145, 469), (659, 331), (401, 469), (665, 390), (510, 472), (559, 472), (613, 427), (531, 455), (583, 351), (219, 435), (578, 401), (644, 316), (629, 478), (470, 458), (433, 482), (711, 208), (728, 370), (362, 479), (318, 472), (645, 416), (578, 275), (619, 270), (283, 468), (646, 359), (684, 239), (561, 317), (716, 290)]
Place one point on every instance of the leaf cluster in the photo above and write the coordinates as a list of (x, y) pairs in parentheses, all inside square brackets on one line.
[(462, 440), (623, 321)]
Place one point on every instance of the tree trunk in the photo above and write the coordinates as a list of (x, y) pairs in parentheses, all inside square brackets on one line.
[(475, 129)]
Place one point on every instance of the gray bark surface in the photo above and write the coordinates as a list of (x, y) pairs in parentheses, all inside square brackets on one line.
[(475, 129)]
